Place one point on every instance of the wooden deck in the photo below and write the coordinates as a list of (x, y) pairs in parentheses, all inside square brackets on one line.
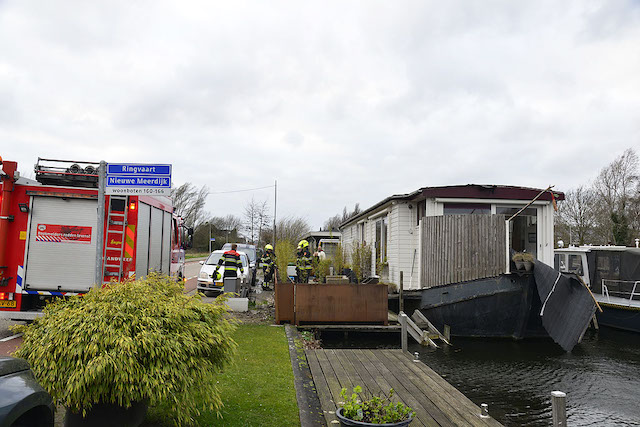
[(435, 401)]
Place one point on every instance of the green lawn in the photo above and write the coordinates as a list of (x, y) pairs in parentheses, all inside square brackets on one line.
[(191, 255), (257, 390)]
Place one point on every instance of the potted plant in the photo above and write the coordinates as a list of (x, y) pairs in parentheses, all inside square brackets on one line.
[(528, 260), (518, 260), (118, 348), (372, 411)]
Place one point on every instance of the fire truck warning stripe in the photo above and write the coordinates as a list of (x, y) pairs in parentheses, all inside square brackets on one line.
[(128, 246), (47, 293)]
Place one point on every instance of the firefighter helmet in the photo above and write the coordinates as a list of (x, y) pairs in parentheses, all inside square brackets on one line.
[(303, 244), (268, 248)]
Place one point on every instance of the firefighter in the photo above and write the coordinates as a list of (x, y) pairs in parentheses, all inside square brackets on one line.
[(231, 262), (268, 261), (303, 262)]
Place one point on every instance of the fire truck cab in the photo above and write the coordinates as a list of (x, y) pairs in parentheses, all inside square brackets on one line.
[(49, 233)]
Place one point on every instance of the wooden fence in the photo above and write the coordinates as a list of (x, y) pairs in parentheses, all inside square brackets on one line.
[(459, 248)]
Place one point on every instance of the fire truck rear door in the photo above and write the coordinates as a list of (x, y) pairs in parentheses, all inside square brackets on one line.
[(61, 250)]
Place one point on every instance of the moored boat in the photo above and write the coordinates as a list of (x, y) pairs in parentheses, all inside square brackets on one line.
[(613, 275)]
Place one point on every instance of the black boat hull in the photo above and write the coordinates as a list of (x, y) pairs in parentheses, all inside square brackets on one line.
[(506, 306), (615, 316)]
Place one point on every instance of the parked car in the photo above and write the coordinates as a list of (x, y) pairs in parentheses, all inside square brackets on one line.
[(251, 252), (213, 288), (23, 402)]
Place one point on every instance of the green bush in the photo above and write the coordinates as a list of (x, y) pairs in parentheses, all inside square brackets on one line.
[(361, 260), (285, 253), (321, 269), (131, 341), (374, 409)]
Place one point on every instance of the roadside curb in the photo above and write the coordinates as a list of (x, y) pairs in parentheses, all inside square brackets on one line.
[(309, 407)]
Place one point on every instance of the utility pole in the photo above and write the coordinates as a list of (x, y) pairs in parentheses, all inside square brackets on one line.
[(209, 236), (275, 202)]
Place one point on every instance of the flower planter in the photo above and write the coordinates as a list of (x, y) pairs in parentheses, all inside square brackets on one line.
[(347, 422), (108, 414)]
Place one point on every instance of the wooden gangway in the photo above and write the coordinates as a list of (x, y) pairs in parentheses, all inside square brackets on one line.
[(435, 401)]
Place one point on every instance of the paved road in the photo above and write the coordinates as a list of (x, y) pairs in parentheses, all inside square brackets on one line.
[(9, 342)]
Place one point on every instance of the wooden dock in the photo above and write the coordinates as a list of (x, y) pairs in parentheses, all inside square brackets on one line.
[(435, 401)]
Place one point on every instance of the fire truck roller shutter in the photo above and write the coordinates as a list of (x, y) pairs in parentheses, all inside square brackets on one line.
[(166, 242), (61, 250), (142, 240), (155, 240)]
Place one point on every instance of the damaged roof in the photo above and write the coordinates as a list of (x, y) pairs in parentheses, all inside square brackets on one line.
[(468, 191)]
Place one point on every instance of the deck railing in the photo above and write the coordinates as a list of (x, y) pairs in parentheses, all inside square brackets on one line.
[(606, 292)]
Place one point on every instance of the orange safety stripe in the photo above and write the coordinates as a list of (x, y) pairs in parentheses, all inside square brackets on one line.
[(128, 245)]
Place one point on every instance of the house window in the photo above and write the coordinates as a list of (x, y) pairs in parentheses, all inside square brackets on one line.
[(381, 239), (467, 209), (420, 211), (522, 229)]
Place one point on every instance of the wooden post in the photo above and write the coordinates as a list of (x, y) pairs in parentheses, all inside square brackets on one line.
[(559, 408), (400, 297), (447, 332), (402, 318)]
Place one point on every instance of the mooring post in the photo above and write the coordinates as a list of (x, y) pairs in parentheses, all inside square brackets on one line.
[(484, 410), (559, 408), (400, 297), (402, 318)]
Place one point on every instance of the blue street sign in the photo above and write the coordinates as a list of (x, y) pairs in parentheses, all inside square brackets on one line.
[(213, 239), (135, 169), (138, 179)]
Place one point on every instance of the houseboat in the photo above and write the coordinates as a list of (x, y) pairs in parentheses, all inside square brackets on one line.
[(453, 246), (613, 274)]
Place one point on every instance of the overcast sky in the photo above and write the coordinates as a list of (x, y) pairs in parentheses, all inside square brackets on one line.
[(339, 101)]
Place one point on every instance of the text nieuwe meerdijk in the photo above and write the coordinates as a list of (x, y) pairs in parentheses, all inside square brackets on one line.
[(116, 180)]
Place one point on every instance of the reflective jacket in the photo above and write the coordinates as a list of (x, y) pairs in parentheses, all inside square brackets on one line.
[(232, 263), (306, 259)]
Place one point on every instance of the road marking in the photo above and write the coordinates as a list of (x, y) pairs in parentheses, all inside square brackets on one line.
[(11, 337)]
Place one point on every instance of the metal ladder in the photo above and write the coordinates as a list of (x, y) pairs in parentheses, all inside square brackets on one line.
[(118, 219)]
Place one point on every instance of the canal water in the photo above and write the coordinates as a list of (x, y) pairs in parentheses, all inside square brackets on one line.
[(601, 376)]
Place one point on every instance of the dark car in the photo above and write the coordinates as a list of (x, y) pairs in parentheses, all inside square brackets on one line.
[(23, 402)]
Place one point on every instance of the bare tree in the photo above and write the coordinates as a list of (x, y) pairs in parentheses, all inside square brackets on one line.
[(256, 218), (575, 218), (334, 222), (291, 229), (227, 223), (616, 189), (189, 203)]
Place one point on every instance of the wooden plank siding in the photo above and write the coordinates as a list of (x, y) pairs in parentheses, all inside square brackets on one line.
[(460, 248), (436, 402)]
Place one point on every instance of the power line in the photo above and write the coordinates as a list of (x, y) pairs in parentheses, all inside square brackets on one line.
[(240, 191)]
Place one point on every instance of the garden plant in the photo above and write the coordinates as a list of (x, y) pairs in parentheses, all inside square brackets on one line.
[(374, 409), (132, 341)]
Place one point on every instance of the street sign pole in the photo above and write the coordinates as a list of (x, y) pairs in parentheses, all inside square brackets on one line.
[(102, 173)]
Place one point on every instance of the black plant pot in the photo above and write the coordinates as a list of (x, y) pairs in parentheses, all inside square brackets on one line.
[(108, 415), (350, 423)]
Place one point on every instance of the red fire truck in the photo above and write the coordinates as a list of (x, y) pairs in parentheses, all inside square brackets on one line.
[(48, 235)]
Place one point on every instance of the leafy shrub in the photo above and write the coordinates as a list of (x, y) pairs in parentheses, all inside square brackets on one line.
[(285, 253), (375, 409), (131, 341), (322, 269), (361, 260)]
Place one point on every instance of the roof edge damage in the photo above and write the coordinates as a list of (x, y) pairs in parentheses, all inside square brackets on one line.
[(468, 191)]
